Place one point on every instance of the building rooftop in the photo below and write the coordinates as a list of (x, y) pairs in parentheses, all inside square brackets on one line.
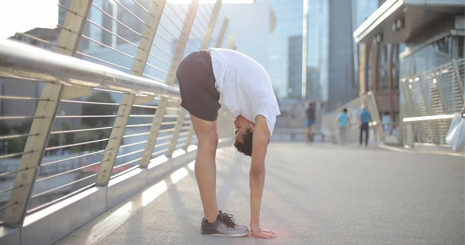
[(397, 21)]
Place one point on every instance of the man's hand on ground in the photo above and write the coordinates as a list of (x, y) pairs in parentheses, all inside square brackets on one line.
[(258, 232)]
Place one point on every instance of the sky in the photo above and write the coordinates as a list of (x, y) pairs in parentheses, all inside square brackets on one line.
[(23, 15)]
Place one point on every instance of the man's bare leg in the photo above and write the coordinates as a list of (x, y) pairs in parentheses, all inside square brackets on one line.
[(205, 166)]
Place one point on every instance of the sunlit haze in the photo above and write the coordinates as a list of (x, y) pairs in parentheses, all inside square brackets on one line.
[(212, 1), (21, 16)]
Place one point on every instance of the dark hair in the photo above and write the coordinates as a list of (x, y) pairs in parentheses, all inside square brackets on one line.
[(246, 146), (345, 110), (310, 104)]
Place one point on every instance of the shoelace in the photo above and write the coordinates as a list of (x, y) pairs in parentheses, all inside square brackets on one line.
[(229, 220)]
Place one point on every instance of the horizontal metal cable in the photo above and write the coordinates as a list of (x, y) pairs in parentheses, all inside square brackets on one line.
[(59, 187), (176, 13), (119, 22), (14, 136), (12, 172), (133, 144), (103, 61), (158, 58), (39, 40), (164, 39), (171, 116), (165, 137), (141, 115), (154, 78), (130, 153), (135, 135), (66, 29), (14, 155), (18, 117), (162, 50), (69, 171), (10, 189), (142, 7), (139, 125), (81, 130), (184, 133), (114, 34), (203, 17), (146, 106), (69, 10), (87, 116), (172, 22), (89, 102), (166, 130), (162, 144), (168, 31), (129, 11), (110, 91), (61, 198), (160, 151), (156, 68), (182, 9), (3, 97), (77, 144), (127, 163), (73, 158), (195, 34), (7, 206), (168, 123), (108, 47)]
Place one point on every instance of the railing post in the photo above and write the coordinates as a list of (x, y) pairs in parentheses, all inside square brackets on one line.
[(170, 79), (129, 99), (45, 113), (231, 41), (224, 27), (427, 106), (206, 40), (458, 76), (374, 108)]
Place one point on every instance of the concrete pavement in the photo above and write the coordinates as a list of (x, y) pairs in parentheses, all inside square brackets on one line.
[(320, 194)]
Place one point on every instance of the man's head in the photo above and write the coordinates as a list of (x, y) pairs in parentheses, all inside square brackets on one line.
[(344, 110), (310, 104), (362, 107), (244, 135)]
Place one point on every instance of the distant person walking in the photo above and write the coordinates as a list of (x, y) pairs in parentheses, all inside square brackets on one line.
[(343, 123), (365, 118), (310, 120)]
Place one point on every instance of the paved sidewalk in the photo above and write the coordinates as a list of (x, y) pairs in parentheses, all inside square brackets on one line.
[(320, 194)]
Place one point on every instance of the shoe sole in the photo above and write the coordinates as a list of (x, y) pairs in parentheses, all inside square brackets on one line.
[(225, 235)]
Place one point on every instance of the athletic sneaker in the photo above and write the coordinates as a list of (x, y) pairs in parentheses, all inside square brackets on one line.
[(223, 226)]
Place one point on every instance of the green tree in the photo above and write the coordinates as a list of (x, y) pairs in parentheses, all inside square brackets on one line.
[(90, 109)]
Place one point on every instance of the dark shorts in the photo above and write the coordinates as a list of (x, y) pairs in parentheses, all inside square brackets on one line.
[(309, 123), (197, 86)]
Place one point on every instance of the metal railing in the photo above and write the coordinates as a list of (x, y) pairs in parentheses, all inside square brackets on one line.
[(430, 100), (95, 118)]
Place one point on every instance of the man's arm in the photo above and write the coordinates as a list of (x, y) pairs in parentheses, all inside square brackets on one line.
[(261, 138)]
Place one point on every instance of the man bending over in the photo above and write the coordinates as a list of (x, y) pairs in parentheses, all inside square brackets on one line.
[(207, 80)]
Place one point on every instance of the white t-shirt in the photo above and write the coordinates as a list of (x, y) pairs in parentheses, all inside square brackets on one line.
[(244, 86)]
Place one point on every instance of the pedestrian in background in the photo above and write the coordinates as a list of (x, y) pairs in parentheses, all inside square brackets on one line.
[(343, 123), (364, 119), (310, 120)]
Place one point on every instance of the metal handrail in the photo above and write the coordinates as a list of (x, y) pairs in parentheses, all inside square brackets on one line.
[(73, 71)]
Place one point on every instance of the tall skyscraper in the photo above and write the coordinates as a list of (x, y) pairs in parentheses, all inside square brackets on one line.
[(289, 17), (294, 86), (332, 53)]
